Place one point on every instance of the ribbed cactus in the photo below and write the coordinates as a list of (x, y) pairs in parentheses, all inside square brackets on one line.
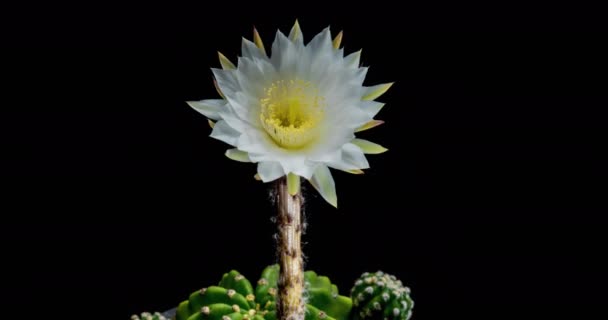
[(235, 299), (148, 316), (381, 296)]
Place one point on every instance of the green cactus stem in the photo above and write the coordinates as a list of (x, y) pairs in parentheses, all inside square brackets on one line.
[(381, 296), (148, 316), (234, 298), (290, 303)]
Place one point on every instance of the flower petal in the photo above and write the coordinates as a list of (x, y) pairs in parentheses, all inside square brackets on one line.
[(223, 132), (285, 55), (210, 108), (369, 125), (217, 88), (256, 143), (374, 92), (237, 155), (254, 77), (225, 62), (269, 171), (352, 60), (226, 81), (323, 182), (369, 147), (371, 107), (352, 157), (251, 51), (227, 114), (296, 35), (306, 170), (258, 41), (321, 44), (337, 40), (355, 171)]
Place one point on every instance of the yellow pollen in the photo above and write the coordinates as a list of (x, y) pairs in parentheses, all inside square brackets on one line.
[(291, 111)]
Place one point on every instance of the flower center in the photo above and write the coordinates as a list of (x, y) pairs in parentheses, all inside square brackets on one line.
[(291, 112)]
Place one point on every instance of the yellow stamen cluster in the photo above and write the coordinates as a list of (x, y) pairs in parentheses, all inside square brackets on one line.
[(291, 112)]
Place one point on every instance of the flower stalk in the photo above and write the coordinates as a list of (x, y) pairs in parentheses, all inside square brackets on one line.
[(290, 302)]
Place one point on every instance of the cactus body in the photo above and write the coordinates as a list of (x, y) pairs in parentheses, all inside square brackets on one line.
[(375, 296), (235, 299), (381, 296), (148, 316)]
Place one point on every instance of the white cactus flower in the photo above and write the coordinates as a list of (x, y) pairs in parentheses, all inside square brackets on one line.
[(295, 112)]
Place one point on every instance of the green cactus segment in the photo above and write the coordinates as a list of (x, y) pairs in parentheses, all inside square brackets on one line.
[(237, 282), (381, 296), (148, 316), (266, 290), (214, 294), (335, 306), (313, 313), (323, 295), (234, 299), (315, 281), (183, 310)]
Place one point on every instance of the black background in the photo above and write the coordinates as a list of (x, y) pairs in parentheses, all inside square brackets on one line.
[(116, 201)]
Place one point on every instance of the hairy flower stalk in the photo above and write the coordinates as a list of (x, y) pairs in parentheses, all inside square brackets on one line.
[(290, 304)]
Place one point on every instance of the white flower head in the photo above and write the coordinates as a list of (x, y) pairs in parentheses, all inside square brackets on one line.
[(296, 111)]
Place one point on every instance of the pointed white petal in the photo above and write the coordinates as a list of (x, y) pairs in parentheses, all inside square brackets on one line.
[(258, 144), (250, 50), (352, 157), (211, 123), (284, 54), (360, 76), (269, 171), (295, 163), (371, 107), (237, 155), (296, 35), (321, 43), (225, 62), (217, 88), (323, 182), (210, 108), (223, 132), (306, 169), (352, 60), (226, 81), (235, 122), (369, 147), (374, 92), (253, 77), (328, 155), (354, 118)]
